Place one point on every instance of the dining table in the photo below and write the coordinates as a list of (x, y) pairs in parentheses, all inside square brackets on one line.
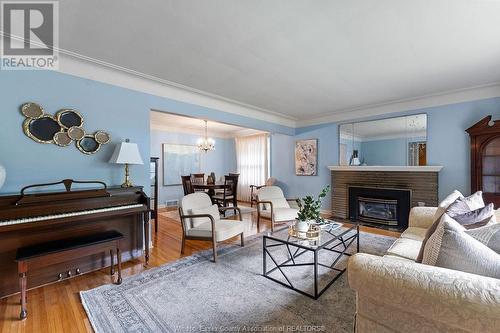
[(210, 188)]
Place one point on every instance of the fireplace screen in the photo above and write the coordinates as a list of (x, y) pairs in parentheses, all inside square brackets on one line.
[(377, 210)]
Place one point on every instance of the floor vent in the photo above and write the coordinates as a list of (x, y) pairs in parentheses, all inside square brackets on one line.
[(172, 203)]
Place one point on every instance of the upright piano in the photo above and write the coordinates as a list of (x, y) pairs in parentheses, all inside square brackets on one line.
[(38, 215)]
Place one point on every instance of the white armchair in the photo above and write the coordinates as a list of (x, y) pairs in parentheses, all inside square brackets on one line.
[(272, 204), (200, 220)]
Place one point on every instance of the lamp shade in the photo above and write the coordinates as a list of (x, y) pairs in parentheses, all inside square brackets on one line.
[(126, 153)]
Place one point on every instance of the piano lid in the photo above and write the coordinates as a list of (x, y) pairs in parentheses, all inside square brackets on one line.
[(28, 205), (40, 197)]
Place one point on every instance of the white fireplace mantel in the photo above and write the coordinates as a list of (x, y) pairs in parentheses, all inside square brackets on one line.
[(427, 168)]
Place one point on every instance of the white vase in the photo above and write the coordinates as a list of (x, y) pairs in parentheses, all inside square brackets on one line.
[(301, 226), (2, 175)]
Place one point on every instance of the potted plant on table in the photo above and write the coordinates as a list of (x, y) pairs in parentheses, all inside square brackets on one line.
[(309, 210)]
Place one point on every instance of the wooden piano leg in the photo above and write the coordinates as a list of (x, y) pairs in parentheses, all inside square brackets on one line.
[(22, 268), (119, 260), (112, 269), (146, 238)]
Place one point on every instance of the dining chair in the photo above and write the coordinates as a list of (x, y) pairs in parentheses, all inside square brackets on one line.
[(200, 220), (230, 192), (272, 204), (254, 188), (198, 178), (187, 185)]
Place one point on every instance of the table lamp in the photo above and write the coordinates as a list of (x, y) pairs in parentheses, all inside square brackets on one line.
[(126, 153)]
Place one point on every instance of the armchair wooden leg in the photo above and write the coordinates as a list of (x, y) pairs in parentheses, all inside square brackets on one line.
[(242, 240), (183, 244), (272, 225), (258, 222), (112, 268), (214, 245)]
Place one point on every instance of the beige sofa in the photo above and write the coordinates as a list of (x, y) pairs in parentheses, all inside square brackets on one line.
[(395, 294)]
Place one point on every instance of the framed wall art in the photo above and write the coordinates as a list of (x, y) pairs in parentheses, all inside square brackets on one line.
[(179, 160), (306, 157)]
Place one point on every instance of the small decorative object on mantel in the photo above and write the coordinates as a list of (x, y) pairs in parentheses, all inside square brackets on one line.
[(355, 158), (306, 157), (126, 153), (2, 175), (309, 211), (62, 129)]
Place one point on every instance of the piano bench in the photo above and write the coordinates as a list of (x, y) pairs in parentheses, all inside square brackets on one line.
[(55, 252)]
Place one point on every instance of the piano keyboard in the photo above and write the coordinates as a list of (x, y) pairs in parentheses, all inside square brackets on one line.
[(60, 216)]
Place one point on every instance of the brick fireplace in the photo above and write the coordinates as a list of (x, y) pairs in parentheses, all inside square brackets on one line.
[(382, 196)]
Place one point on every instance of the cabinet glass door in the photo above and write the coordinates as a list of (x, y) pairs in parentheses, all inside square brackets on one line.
[(491, 167)]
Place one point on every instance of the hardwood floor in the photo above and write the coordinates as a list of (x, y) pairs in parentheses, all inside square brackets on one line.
[(57, 307)]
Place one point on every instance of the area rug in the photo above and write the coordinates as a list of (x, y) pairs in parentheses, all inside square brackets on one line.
[(195, 295)]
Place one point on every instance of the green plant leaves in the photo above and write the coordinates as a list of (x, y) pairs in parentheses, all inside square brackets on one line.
[(309, 208)]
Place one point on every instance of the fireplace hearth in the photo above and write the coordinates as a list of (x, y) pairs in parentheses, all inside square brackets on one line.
[(382, 207)]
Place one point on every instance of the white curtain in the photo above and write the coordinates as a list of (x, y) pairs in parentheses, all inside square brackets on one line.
[(252, 161)]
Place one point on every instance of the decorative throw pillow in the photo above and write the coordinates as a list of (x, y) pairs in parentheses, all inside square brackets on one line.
[(468, 211), (463, 214), (451, 247), (428, 234), (443, 205), (212, 210), (475, 201), (489, 235)]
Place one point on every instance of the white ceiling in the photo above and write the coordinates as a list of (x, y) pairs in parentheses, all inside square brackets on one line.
[(302, 59), (181, 124)]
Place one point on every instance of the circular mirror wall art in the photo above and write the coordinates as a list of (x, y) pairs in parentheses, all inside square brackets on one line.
[(63, 128), (88, 145), (69, 118), (62, 139), (102, 137), (32, 110), (76, 133), (42, 129)]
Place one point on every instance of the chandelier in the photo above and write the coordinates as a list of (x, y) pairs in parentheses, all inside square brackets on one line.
[(205, 144)]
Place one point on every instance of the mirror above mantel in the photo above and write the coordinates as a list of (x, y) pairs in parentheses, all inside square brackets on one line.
[(397, 141)]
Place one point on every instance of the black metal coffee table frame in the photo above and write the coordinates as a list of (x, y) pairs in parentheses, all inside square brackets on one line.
[(342, 239)]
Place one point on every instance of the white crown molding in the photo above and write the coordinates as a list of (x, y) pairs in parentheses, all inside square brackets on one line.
[(73, 63), (194, 131), (96, 70), (86, 67), (444, 98), (199, 132), (247, 132)]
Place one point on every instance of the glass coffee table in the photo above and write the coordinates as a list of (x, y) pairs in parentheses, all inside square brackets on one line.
[(293, 261)]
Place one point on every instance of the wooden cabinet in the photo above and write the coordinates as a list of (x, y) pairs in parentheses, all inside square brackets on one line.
[(153, 177), (485, 159)]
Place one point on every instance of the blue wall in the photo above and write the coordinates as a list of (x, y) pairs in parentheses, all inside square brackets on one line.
[(328, 153), (124, 114), (447, 145), (121, 112), (112, 109), (384, 152), (221, 161)]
